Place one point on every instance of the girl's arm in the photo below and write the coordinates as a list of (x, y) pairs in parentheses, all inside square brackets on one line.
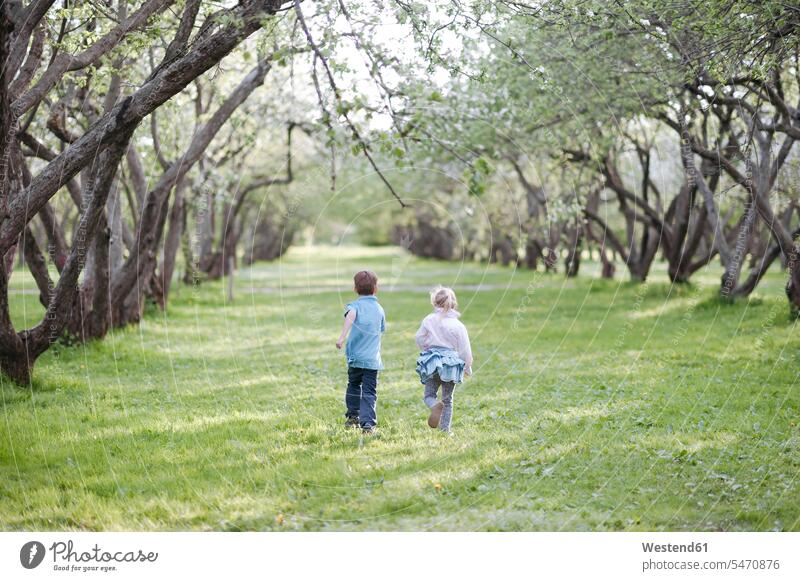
[(348, 322), (422, 336), (465, 351)]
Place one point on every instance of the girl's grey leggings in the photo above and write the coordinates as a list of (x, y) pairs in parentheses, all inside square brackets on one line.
[(431, 390)]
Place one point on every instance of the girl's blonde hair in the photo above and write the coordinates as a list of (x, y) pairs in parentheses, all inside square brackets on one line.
[(444, 298)]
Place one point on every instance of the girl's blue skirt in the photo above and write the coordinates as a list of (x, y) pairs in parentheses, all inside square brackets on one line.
[(443, 361)]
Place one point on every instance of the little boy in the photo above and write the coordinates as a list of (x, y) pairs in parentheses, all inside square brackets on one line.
[(367, 320)]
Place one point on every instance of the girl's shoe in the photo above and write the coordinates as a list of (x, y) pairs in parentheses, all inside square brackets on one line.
[(436, 414), (351, 422)]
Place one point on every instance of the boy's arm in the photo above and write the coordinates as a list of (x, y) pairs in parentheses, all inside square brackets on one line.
[(348, 322)]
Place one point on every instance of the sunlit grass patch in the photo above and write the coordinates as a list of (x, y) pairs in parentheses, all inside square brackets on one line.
[(596, 405)]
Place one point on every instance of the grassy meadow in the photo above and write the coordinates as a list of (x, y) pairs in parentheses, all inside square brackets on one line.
[(595, 405)]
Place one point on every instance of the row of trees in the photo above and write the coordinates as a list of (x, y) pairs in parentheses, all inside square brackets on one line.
[(139, 135), (633, 130), (130, 138), (78, 161)]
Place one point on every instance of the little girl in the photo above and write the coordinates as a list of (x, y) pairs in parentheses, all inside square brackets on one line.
[(446, 355)]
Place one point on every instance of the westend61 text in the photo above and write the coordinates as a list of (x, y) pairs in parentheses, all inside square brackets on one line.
[(671, 548), (65, 552)]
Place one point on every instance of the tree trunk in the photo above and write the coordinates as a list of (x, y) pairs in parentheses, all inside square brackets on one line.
[(503, 250), (188, 248), (37, 265), (429, 240), (757, 272), (268, 242), (572, 262), (18, 367), (98, 314), (793, 286), (205, 224), (678, 248), (608, 269), (229, 274), (533, 253), (679, 268), (116, 243), (550, 255), (171, 245)]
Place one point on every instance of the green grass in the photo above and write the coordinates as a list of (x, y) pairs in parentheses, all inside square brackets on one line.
[(595, 405)]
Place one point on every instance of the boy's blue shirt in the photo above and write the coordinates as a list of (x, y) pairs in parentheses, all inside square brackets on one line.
[(364, 344)]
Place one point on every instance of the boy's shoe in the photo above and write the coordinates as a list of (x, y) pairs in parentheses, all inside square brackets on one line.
[(351, 422), (369, 430), (436, 414)]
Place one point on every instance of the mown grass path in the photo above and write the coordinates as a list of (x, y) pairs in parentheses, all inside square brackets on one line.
[(595, 405)]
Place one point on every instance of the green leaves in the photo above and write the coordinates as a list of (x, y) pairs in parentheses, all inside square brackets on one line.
[(477, 175)]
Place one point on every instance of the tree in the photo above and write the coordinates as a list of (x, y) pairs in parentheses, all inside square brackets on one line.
[(96, 154)]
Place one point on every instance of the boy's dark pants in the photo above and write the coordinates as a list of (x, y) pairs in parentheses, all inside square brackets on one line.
[(362, 395)]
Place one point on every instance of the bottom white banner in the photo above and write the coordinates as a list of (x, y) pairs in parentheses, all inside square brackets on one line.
[(334, 556)]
